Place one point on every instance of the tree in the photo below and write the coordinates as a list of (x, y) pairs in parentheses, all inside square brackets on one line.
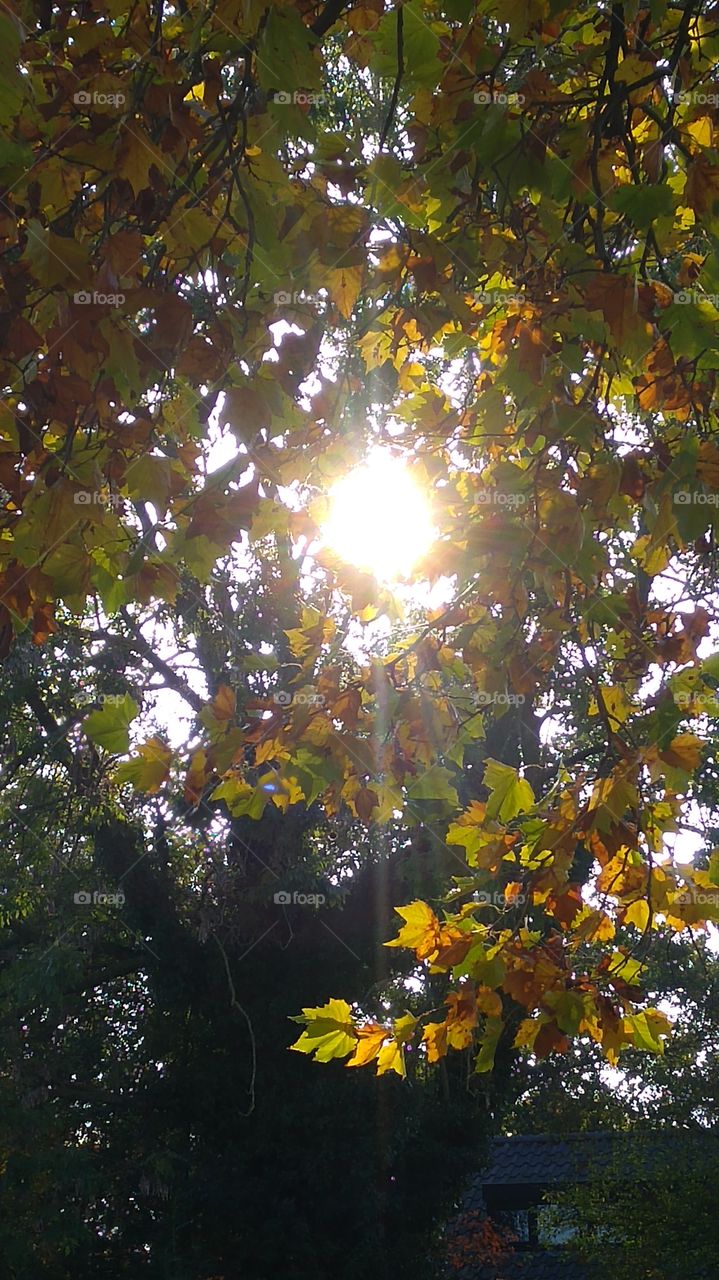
[(153, 1120), (244, 245), (649, 1213), (676, 1089)]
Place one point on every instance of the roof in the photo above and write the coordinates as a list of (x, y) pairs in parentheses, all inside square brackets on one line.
[(521, 1169), (543, 1160)]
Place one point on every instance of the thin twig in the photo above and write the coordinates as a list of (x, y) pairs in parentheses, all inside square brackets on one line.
[(236, 1005), (398, 78)]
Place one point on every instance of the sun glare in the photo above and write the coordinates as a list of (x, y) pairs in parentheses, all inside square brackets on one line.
[(379, 518)]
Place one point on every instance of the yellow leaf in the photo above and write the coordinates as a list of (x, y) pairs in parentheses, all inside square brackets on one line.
[(594, 926), (435, 1038), (344, 285), (376, 347), (616, 702), (136, 154), (528, 1031), (683, 752), (421, 931), (638, 914), (403, 1029), (391, 1058), (148, 769), (489, 1002), (371, 1038), (329, 1031), (223, 703)]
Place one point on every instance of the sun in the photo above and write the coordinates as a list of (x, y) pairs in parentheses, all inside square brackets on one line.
[(379, 518)]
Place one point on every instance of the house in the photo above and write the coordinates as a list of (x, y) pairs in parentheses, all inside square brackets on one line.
[(508, 1227)]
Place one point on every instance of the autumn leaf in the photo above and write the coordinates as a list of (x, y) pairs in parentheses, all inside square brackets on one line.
[(421, 930), (370, 1039), (149, 769), (344, 286), (329, 1031), (683, 752), (196, 777)]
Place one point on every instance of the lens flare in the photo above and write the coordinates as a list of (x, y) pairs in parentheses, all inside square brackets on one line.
[(379, 518)]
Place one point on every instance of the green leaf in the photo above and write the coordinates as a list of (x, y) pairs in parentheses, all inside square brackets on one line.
[(645, 1031), (328, 1033), (510, 794), (108, 728), (284, 59), (434, 784), (488, 1045), (420, 46), (641, 205)]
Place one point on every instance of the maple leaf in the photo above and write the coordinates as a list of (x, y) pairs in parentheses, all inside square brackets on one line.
[(510, 794), (329, 1031), (149, 769), (421, 931), (109, 727), (370, 1039)]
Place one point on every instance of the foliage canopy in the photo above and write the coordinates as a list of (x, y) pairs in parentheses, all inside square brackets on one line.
[(483, 237)]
